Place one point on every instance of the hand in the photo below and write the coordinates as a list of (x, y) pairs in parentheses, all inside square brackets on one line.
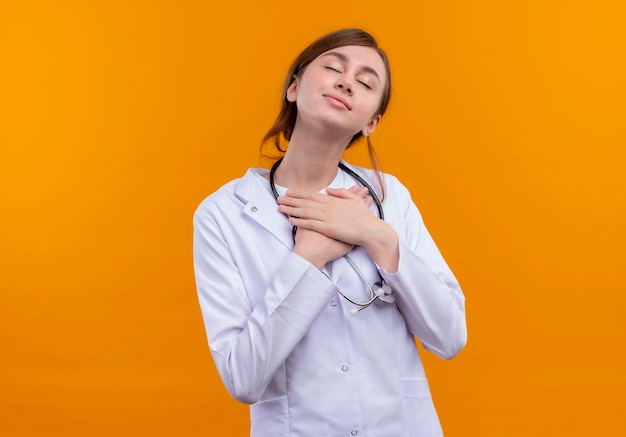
[(343, 214), (319, 249)]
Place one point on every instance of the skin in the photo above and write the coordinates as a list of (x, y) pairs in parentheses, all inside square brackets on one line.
[(337, 96)]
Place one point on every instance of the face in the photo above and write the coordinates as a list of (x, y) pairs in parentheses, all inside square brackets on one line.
[(341, 89)]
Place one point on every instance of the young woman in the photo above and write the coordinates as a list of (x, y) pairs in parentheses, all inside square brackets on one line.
[(313, 283)]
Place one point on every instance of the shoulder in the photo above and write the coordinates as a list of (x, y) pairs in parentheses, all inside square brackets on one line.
[(230, 197)]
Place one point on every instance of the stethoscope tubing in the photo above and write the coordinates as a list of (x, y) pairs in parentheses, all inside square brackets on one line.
[(362, 181)]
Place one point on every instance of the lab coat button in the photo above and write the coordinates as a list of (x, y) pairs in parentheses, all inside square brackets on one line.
[(333, 303), (344, 368), (354, 432), (254, 209)]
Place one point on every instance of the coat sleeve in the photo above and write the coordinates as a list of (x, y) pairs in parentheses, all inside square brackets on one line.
[(425, 289), (249, 344)]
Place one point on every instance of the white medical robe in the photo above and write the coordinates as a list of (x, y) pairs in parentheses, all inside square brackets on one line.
[(284, 341)]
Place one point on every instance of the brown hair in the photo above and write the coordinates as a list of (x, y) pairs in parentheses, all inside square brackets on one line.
[(286, 120)]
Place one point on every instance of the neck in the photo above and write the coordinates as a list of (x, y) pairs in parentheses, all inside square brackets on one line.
[(309, 165)]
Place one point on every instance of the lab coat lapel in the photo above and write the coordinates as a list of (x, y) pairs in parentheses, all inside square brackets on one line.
[(260, 206)]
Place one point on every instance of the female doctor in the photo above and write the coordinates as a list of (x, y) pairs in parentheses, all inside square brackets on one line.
[(313, 278)]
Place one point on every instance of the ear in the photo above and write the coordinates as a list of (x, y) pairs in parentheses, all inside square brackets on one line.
[(370, 126), (292, 91)]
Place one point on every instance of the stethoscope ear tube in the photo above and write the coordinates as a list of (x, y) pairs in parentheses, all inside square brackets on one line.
[(362, 181), (275, 193)]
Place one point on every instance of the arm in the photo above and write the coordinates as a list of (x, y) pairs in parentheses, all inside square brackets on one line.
[(425, 289), (250, 341)]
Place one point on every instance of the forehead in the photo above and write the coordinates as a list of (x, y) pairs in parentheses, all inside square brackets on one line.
[(359, 56)]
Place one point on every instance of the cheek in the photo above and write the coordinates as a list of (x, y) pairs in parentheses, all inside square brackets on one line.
[(372, 105)]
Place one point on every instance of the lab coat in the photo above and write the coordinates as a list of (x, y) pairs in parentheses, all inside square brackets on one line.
[(284, 341)]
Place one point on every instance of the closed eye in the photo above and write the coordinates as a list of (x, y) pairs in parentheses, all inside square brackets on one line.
[(333, 68), (365, 85)]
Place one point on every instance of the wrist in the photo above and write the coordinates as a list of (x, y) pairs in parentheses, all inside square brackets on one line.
[(314, 258), (384, 247)]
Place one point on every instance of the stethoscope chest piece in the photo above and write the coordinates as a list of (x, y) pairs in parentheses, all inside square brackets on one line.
[(383, 292)]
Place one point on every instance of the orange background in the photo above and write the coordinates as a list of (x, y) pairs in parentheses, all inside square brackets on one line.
[(118, 117)]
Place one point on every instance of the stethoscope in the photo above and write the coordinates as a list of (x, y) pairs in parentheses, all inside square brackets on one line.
[(379, 290)]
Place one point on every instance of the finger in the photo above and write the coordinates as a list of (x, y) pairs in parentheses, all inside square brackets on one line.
[(344, 193), (318, 226), (302, 211), (287, 200), (304, 223), (364, 194), (302, 201), (309, 195), (304, 207), (361, 192)]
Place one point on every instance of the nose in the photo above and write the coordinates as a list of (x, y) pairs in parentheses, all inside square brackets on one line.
[(342, 85)]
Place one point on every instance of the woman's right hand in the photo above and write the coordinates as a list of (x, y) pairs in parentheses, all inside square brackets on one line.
[(318, 249)]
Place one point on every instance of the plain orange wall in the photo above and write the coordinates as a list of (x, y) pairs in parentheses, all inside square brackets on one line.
[(118, 117)]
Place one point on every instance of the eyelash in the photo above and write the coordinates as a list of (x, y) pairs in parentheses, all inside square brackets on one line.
[(362, 83)]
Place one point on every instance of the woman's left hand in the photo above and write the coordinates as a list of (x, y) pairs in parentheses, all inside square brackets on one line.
[(345, 215)]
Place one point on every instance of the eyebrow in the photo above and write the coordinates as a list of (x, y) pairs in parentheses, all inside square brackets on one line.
[(344, 58)]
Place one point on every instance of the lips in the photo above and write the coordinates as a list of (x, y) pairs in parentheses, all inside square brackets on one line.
[(339, 99)]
